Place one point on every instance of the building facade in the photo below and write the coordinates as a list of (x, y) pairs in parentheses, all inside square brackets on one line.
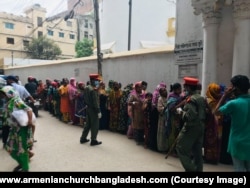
[(222, 27), (18, 31), (15, 33)]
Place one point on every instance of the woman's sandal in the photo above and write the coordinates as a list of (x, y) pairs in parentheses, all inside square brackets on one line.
[(17, 168)]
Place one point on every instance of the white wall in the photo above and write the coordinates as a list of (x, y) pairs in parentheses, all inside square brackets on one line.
[(9, 62), (152, 66), (149, 22), (188, 25)]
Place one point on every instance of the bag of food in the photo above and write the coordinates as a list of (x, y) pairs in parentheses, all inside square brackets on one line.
[(21, 117)]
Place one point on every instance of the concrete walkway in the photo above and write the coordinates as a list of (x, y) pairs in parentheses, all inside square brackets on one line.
[(58, 149)]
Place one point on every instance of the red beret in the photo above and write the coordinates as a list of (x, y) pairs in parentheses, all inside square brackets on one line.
[(94, 77), (190, 81)]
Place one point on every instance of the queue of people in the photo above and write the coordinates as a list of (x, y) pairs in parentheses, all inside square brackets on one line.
[(179, 122)]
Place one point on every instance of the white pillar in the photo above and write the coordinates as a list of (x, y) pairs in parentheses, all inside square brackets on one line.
[(209, 74), (241, 54), (211, 20)]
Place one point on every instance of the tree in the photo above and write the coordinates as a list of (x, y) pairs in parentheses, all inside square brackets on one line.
[(84, 48), (43, 48)]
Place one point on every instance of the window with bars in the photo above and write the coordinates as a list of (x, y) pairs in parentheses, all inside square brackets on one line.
[(61, 34), (86, 34), (50, 32), (39, 21), (86, 23), (10, 40), (39, 34), (26, 43), (71, 36)]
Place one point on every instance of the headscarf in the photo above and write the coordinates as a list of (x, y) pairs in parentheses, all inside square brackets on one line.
[(213, 91), (10, 92), (54, 84), (81, 84), (14, 99), (101, 89), (72, 82), (72, 88), (134, 92), (156, 92)]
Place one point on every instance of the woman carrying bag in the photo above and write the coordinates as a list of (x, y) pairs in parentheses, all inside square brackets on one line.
[(20, 138)]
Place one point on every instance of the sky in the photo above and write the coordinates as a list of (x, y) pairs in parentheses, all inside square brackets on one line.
[(17, 7)]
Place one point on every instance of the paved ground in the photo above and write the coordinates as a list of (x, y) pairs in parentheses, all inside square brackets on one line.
[(58, 149)]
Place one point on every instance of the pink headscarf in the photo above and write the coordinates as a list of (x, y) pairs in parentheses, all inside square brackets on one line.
[(72, 82), (72, 88), (133, 92), (156, 92)]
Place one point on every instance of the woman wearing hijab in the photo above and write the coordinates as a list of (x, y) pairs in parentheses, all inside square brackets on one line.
[(72, 91), (213, 128), (114, 99), (135, 102), (155, 116), (103, 122), (173, 121), (162, 139), (80, 103), (124, 120), (64, 100), (20, 138)]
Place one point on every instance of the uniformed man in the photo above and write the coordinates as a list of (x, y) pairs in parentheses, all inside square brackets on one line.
[(190, 138), (93, 113)]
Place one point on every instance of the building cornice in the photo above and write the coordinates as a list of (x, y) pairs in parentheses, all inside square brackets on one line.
[(210, 10), (241, 9)]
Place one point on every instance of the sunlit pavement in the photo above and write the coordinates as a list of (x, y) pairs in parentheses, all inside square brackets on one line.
[(58, 149)]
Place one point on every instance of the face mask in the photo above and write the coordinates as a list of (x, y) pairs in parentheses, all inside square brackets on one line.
[(97, 83)]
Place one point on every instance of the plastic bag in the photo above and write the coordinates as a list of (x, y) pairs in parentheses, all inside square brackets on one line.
[(21, 117)]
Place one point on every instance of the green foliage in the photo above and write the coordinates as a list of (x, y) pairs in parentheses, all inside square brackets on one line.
[(43, 48), (84, 48)]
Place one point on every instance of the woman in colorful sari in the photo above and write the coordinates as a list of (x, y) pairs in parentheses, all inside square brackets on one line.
[(65, 103), (135, 101), (20, 138), (40, 92), (213, 128), (114, 99), (173, 120), (155, 116), (123, 114), (147, 109), (103, 121), (72, 90), (162, 144), (80, 103)]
